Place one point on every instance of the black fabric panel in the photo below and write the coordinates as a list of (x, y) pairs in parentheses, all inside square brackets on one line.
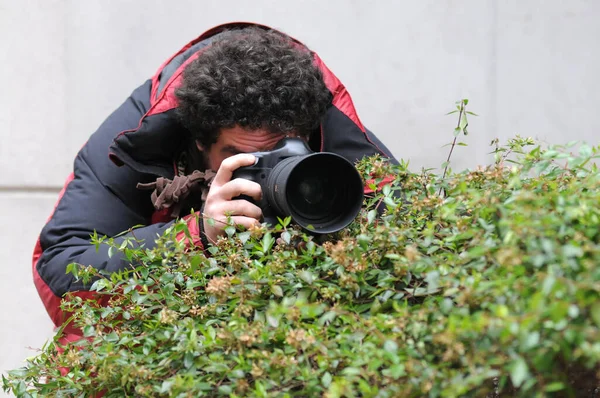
[(373, 138), (153, 147), (342, 136), (101, 197)]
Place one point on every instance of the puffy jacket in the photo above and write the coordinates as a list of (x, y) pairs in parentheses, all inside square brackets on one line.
[(143, 134)]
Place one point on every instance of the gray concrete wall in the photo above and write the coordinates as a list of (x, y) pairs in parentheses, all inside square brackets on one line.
[(528, 67)]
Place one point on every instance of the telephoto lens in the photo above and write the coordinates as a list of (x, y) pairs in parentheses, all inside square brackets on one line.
[(322, 192)]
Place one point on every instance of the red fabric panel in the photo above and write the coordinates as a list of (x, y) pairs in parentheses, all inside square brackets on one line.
[(167, 99), (163, 215), (49, 299), (51, 302), (156, 76), (194, 229), (341, 97), (386, 180)]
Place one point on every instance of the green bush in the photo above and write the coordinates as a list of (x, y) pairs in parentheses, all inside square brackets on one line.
[(480, 283)]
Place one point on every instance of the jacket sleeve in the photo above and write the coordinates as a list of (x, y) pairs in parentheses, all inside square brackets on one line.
[(100, 197)]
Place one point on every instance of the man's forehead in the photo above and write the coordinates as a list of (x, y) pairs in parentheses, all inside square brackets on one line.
[(238, 140)]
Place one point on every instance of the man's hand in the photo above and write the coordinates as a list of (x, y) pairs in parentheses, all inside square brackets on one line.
[(219, 206)]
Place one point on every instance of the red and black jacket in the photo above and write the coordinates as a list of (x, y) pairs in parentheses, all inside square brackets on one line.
[(143, 135)]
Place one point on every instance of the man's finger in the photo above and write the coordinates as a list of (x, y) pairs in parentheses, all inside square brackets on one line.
[(242, 208), (231, 164), (240, 186), (246, 222)]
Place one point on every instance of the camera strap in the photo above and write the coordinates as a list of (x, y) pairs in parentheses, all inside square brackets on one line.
[(171, 193)]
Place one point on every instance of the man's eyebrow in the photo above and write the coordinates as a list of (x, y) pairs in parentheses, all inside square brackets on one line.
[(231, 149)]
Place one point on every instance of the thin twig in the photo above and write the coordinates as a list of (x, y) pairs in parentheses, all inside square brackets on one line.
[(460, 113)]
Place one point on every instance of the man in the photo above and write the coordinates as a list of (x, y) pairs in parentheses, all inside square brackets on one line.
[(238, 88)]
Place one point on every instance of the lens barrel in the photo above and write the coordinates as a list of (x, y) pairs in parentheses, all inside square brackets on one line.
[(322, 192)]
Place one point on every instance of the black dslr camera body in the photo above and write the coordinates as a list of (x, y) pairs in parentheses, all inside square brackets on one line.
[(321, 191)]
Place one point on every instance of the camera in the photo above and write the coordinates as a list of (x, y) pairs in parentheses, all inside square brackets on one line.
[(321, 191)]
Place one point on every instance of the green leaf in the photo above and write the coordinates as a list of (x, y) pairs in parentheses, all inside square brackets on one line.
[(463, 121), (260, 389), (553, 387), (386, 190), (188, 360), (572, 251), (371, 215), (573, 311), (502, 311), (225, 389), (212, 332), (72, 269), (244, 236), (390, 346), (326, 379), (285, 235), (272, 320), (284, 222), (277, 290), (390, 202), (306, 276), (395, 371), (550, 154), (229, 230), (585, 150), (532, 340), (267, 242), (351, 371), (89, 331), (112, 337), (327, 318), (595, 313), (166, 386), (519, 371), (548, 284)]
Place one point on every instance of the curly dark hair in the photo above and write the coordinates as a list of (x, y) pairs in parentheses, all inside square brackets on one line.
[(253, 78)]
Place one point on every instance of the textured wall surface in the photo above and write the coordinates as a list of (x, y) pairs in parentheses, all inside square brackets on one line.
[(528, 67)]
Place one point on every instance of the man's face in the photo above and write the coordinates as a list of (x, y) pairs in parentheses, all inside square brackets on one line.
[(236, 140)]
